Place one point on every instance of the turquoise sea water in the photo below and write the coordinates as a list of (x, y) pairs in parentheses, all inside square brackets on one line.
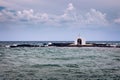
[(59, 63)]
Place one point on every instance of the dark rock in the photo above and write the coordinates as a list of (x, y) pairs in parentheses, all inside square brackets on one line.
[(24, 45)]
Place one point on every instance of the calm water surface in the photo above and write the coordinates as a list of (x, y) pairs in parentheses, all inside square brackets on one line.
[(59, 63)]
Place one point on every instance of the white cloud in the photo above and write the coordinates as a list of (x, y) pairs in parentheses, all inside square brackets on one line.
[(95, 17), (68, 11), (44, 16), (7, 16), (70, 16), (117, 20), (70, 7), (30, 15), (92, 17), (25, 14)]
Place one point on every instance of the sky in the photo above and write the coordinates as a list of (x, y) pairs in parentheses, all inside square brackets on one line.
[(59, 20)]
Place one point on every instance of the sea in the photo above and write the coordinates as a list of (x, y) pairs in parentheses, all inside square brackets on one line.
[(59, 63)]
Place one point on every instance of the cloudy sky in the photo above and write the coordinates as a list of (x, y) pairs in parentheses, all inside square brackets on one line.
[(61, 20)]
